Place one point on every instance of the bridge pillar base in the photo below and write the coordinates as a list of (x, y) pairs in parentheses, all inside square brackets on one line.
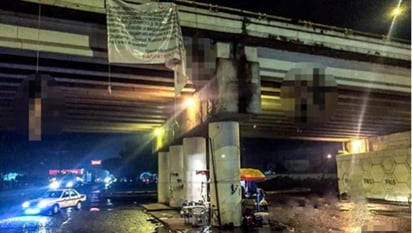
[(175, 176), (163, 179), (194, 165), (224, 160)]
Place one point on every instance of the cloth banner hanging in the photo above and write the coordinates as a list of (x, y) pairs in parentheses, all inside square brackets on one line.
[(148, 33)]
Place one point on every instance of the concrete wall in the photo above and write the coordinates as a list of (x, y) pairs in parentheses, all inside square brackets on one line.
[(382, 173)]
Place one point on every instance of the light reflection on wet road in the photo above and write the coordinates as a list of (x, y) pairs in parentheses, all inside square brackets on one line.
[(98, 215), (120, 220), (29, 224)]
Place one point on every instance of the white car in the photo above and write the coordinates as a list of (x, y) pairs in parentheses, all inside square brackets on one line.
[(53, 200)]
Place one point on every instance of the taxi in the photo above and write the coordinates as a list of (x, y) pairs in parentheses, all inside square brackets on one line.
[(53, 200)]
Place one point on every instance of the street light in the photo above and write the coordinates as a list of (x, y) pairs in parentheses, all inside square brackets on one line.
[(189, 102), (324, 164), (395, 13), (158, 131)]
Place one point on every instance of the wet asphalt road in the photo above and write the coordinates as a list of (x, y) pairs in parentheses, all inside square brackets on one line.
[(99, 214)]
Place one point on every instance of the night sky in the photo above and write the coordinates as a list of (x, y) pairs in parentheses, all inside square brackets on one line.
[(270, 154), (66, 150)]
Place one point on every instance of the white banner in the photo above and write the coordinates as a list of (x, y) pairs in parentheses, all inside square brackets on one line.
[(147, 33)]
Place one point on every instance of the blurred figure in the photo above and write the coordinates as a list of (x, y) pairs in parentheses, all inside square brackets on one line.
[(262, 204)]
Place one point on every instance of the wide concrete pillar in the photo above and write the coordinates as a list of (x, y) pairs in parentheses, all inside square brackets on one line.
[(228, 86), (176, 175), (163, 178), (225, 190), (194, 165), (238, 86)]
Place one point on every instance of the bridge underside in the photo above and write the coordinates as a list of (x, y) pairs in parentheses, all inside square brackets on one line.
[(142, 96)]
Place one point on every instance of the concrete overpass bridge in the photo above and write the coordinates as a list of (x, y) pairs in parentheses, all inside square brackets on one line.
[(371, 74), (253, 75)]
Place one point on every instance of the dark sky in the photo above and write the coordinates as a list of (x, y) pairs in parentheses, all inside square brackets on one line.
[(66, 150), (76, 150), (271, 154), (362, 15)]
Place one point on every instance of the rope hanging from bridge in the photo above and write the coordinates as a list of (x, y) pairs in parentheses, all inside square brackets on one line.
[(38, 38)]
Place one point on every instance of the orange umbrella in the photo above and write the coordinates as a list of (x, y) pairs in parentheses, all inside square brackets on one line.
[(251, 174)]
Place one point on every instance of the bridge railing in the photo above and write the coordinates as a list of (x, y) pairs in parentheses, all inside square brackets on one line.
[(225, 20), (349, 31), (264, 16)]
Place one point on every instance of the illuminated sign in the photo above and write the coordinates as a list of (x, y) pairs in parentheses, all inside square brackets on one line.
[(64, 171), (96, 162)]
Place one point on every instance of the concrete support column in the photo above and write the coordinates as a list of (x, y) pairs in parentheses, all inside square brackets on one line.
[(238, 86), (176, 176), (228, 86), (194, 160), (163, 178), (224, 162)]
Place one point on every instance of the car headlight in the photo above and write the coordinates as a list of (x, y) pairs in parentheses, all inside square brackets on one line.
[(42, 204), (54, 185), (69, 184), (25, 204)]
